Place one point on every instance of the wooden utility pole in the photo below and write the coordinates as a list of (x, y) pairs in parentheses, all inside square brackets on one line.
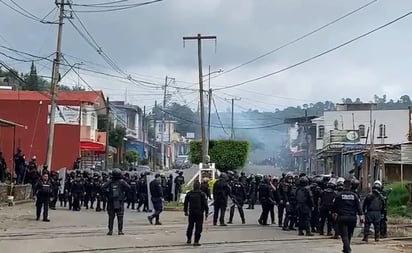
[(199, 39), (53, 89)]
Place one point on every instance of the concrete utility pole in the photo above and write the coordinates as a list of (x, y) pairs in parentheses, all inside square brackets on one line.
[(232, 134), (106, 157), (163, 125), (199, 39), (54, 82), (209, 108), (144, 131)]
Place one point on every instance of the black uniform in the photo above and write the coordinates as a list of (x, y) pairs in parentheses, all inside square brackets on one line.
[(77, 190), (195, 206), (346, 206), (238, 193), (3, 168), (132, 196), (265, 198), (252, 193), (43, 193), (221, 192), (142, 192), (290, 201), (325, 207), (373, 208), (179, 181), (304, 205), (156, 193), (116, 190)]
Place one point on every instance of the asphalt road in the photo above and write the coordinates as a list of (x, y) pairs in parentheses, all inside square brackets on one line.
[(85, 231)]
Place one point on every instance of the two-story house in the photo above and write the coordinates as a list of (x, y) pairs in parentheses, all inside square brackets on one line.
[(346, 136), (75, 125), (166, 137)]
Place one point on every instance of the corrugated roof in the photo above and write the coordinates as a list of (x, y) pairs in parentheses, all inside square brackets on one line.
[(82, 96)]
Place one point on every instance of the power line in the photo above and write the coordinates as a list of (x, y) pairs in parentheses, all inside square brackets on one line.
[(316, 56), (26, 13), (297, 39), (118, 8), (218, 117), (215, 126)]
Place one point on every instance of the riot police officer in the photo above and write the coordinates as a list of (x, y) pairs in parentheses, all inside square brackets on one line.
[(266, 200), (290, 203), (196, 208), (325, 206), (373, 208), (221, 192), (179, 182), (43, 194), (304, 206), (238, 193), (345, 208), (116, 190)]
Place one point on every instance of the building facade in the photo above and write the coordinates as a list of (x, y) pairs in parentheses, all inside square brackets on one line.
[(76, 132), (346, 138)]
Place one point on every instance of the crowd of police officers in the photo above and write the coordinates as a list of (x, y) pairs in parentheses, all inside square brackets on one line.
[(306, 204)]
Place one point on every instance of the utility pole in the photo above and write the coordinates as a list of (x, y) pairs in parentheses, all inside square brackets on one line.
[(199, 39), (163, 125), (54, 82), (106, 157), (209, 108), (232, 134), (144, 131)]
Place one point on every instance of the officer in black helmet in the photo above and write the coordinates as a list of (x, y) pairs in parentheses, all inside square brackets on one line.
[(221, 192), (325, 206), (304, 205), (116, 190), (373, 207), (345, 209)]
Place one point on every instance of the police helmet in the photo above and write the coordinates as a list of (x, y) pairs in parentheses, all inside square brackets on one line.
[(355, 183), (304, 181), (116, 173), (377, 185)]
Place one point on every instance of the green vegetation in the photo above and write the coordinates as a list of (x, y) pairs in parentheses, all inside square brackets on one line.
[(398, 200), (132, 156), (226, 154)]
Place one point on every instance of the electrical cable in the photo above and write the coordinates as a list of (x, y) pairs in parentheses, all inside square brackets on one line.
[(315, 56), (297, 39), (218, 117), (126, 7)]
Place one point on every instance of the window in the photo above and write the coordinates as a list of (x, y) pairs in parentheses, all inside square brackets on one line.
[(382, 131), (321, 131), (362, 132)]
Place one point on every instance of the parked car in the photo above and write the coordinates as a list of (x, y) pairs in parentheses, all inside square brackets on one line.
[(182, 162)]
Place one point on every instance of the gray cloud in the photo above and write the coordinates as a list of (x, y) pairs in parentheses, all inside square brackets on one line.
[(148, 41)]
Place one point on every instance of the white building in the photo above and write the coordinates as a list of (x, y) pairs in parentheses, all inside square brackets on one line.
[(345, 135), (385, 126)]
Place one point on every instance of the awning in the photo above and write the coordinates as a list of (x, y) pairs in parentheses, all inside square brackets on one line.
[(92, 146)]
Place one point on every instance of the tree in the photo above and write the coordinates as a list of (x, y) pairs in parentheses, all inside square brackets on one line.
[(405, 99), (187, 121), (32, 80), (226, 154), (116, 136), (132, 156)]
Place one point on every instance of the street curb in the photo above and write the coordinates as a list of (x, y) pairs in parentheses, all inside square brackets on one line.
[(17, 202)]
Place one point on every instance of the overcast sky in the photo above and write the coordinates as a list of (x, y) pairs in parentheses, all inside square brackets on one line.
[(146, 42)]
